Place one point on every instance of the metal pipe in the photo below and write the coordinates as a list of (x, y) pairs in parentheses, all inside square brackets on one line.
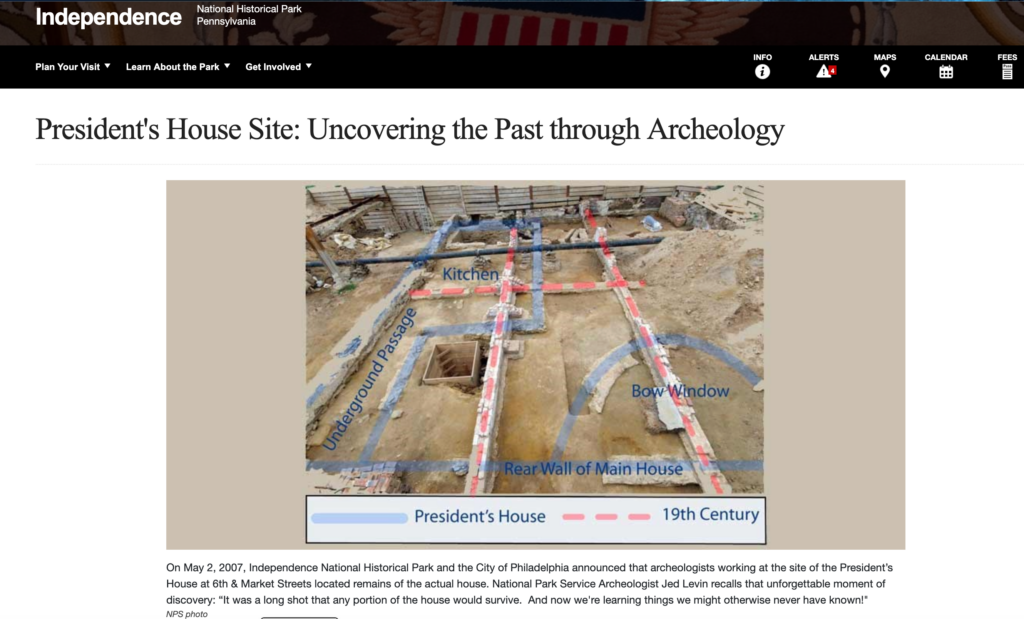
[(491, 251)]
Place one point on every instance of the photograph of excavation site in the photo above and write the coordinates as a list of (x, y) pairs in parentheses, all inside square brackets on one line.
[(535, 338)]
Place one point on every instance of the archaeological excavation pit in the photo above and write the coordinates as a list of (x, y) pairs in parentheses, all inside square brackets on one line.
[(454, 364), (467, 238), (588, 308)]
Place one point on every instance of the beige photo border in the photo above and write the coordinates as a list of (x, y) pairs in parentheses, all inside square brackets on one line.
[(834, 422)]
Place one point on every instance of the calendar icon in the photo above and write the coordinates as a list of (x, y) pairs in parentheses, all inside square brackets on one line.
[(946, 72)]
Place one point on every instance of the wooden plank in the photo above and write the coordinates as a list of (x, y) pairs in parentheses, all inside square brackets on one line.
[(723, 213), (333, 225), (321, 252)]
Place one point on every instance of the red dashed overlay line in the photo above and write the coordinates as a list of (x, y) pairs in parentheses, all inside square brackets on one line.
[(661, 367), (657, 357), (703, 456), (505, 289), (718, 486), (487, 409), (632, 307), (647, 337), (606, 517)]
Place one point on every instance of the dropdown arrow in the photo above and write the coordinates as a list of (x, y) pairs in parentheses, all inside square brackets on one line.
[(309, 64), (227, 64), (106, 64)]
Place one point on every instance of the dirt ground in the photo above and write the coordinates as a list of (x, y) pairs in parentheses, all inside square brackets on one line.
[(330, 314), (707, 284)]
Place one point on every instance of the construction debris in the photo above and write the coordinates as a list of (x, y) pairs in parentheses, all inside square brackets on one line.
[(313, 282), (551, 262), (737, 203), (651, 224), (334, 222), (576, 235), (674, 211), (667, 412), (381, 478), (515, 349), (347, 241), (701, 218), (344, 241)]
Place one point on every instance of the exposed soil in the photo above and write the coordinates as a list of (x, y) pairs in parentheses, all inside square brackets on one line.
[(707, 284), (331, 313)]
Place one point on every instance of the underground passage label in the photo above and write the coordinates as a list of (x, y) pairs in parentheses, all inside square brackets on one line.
[(494, 519)]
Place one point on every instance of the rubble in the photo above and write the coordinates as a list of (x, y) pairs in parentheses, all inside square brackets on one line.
[(667, 413), (381, 478), (652, 421), (313, 282), (673, 210), (576, 235), (551, 262), (347, 241), (515, 349)]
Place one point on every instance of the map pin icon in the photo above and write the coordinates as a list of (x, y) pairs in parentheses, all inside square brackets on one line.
[(885, 70)]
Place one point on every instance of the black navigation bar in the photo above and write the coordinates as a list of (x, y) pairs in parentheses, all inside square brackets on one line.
[(623, 68)]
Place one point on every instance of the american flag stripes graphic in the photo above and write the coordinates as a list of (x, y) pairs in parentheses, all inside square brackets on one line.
[(481, 25)]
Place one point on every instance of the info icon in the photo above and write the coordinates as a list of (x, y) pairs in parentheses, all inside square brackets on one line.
[(762, 71)]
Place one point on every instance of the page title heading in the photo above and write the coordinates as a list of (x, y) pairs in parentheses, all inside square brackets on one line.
[(436, 134)]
